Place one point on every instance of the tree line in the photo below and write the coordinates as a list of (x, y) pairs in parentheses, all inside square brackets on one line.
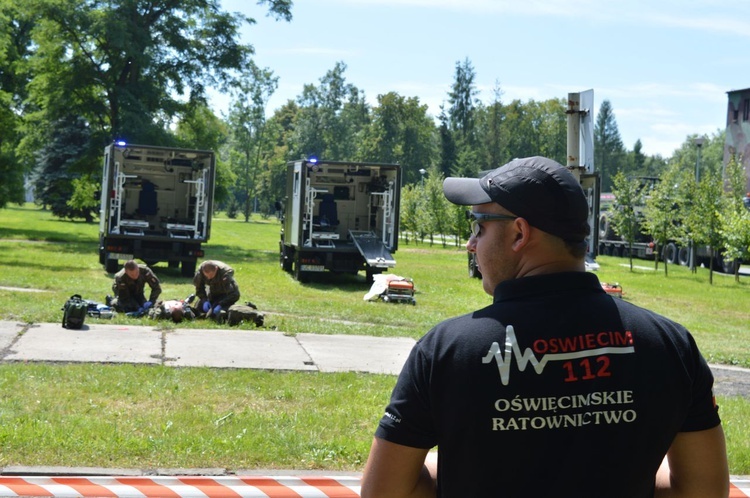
[(77, 74)]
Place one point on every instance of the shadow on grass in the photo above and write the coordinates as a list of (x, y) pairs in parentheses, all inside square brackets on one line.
[(679, 274), (237, 253), (53, 236), (341, 281)]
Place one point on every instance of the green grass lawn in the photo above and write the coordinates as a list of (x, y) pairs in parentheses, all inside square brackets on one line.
[(146, 416)]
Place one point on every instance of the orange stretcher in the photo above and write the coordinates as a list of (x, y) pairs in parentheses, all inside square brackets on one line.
[(612, 289), (399, 291)]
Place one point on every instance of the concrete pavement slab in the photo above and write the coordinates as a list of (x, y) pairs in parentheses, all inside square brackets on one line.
[(340, 353), (235, 349), (8, 332), (53, 470), (92, 343)]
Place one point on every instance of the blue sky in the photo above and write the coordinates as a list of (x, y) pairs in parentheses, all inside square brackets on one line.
[(665, 65)]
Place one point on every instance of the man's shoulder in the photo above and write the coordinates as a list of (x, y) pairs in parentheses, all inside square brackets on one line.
[(226, 273), (629, 310)]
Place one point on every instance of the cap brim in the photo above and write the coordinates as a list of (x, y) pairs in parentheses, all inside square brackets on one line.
[(465, 191)]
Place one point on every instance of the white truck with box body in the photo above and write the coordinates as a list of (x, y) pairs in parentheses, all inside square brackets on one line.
[(340, 217), (156, 205)]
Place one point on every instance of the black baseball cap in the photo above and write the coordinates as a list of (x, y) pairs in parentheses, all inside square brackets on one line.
[(540, 190)]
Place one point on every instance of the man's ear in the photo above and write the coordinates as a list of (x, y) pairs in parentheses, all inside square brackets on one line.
[(522, 234)]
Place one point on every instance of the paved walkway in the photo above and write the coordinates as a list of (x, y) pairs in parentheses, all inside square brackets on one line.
[(99, 341)]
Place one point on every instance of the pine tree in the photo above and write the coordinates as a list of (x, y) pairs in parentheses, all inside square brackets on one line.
[(608, 148)]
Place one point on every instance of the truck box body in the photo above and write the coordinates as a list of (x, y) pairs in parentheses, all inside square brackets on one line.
[(340, 217), (156, 205)]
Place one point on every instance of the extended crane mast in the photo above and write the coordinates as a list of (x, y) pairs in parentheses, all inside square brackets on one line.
[(580, 158)]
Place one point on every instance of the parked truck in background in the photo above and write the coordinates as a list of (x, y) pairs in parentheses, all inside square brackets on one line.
[(736, 147), (340, 217), (644, 247), (156, 205)]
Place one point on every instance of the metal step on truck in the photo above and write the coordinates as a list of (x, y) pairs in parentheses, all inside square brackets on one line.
[(340, 217), (156, 205)]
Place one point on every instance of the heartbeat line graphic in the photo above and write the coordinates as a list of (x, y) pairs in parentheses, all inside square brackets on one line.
[(512, 349)]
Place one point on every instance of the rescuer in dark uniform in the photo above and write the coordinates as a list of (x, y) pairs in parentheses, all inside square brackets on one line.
[(215, 288), (128, 288), (555, 388)]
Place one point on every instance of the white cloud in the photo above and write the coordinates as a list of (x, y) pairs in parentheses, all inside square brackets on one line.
[(728, 25), (733, 17)]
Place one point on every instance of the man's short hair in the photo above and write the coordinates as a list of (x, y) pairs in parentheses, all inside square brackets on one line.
[(131, 264), (537, 189), (209, 265)]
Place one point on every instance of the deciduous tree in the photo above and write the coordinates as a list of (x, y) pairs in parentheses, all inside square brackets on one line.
[(15, 43), (247, 121), (400, 131), (129, 67), (624, 217), (663, 213), (735, 218)]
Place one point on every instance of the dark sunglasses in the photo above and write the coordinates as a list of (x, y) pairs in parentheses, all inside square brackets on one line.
[(476, 220)]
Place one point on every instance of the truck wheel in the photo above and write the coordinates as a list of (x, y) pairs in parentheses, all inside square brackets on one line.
[(603, 226), (729, 267), (173, 264), (671, 253), (111, 265), (299, 275), (188, 268), (683, 256), (285, 260)]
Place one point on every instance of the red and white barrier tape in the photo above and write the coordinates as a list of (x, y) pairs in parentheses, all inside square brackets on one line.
[(198, 487), (207, 487), (740, 488)]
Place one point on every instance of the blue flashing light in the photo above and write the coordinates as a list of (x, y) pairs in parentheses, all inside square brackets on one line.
[(121, 143), (312, 160)]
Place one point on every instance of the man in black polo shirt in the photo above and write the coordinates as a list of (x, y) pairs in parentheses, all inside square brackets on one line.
[(555, 389)]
